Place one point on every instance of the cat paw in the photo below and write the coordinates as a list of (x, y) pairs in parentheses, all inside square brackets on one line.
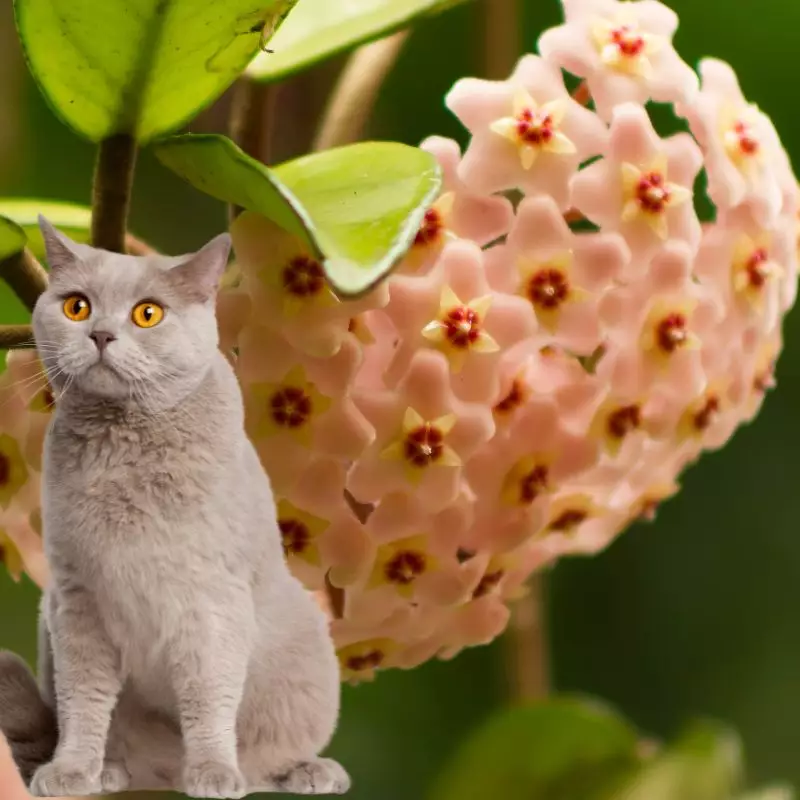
[(320, 776), (59, 778), (214, 779), (114, 778)]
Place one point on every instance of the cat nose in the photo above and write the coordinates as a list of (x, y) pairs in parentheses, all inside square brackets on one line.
[(101, 339)]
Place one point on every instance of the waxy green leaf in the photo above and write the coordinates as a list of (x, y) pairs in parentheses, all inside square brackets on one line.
[(319, 29), (74, 220), (558, 750), (358, 208), (141, 67)]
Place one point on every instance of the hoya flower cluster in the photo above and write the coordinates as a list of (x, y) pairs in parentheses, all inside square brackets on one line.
[(564, 338)]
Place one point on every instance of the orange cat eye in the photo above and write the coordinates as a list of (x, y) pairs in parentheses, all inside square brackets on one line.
[(77, 308), (147, 314)]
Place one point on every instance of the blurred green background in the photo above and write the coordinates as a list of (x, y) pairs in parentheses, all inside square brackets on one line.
[(698, 614)]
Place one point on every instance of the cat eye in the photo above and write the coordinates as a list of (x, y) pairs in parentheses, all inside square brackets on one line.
[(77, 308), (147, 314)]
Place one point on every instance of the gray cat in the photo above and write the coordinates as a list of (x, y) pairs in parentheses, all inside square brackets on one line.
[(176, 649)]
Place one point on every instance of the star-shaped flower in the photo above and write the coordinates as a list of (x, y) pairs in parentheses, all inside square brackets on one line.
[(288, 286), (453, 310), (562, 275), (457, 213), (643, 187), (527, 132), (424, 435), (745, 161), (623, 50)]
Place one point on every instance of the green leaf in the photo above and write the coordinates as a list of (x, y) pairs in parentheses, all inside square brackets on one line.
[(321, 28), (559, 750), (73, 219), (12, 238), (358, 208), (141, 67), (704, 764)]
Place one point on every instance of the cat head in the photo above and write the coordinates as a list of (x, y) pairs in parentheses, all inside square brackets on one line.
[(133, 329)]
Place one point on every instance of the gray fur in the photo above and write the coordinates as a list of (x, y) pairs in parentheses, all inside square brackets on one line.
[(185, 654)]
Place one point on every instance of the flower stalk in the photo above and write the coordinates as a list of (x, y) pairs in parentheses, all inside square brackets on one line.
[(353, 99), (12, 336), (25, 276), (111, 191)]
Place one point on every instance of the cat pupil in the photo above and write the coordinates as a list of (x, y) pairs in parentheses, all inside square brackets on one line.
[(148, 313)]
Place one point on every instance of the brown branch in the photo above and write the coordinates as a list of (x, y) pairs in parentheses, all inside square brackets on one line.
[(353, 99), (251, 125), (527, 646), (25, 276), (111, 192), (13, 336), (138, 247), (502, 30)]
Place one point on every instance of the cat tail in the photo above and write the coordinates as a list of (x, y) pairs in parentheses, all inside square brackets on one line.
[(26, 721)]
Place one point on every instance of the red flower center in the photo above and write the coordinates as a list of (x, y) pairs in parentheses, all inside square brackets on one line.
[(516, 396), (548, 288), (405, 567), (488, 583), (652, 193), (423, 445), (624, 420), (5, 469), (431, 228), (672, 332), (569, 520), (705, 416), (462, 327), (629, 42), (291, 407), (303, 277), (295, 536), (364, 661), (748, 143), (756, 272), (534, 127), (533, 484)]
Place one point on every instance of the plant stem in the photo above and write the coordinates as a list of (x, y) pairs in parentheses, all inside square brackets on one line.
[(137, 247), (353, 99), (25, 275), (111, 192), (527, 648), (502, 32), (13, 336), (252, 114)]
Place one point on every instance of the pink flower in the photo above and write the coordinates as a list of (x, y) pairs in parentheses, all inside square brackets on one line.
[(453, 311), (527, 132), (298, 406), (623, 50), (289, 286), (458, 212), (643, 187), (424, 435), (745, 160), (560, 274)]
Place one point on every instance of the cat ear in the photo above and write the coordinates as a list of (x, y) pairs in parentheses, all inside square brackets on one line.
[(60, 249), (197, 279)]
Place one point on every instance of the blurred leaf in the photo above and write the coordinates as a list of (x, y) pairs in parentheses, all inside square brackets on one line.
[(358, 207), (12, 237), (142, 66), (559, 750), (319, 29), (773, 793), (73, 219), (704, 764)]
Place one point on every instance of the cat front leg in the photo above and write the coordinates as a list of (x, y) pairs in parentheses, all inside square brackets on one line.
[(88, 681), (209, 670)]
